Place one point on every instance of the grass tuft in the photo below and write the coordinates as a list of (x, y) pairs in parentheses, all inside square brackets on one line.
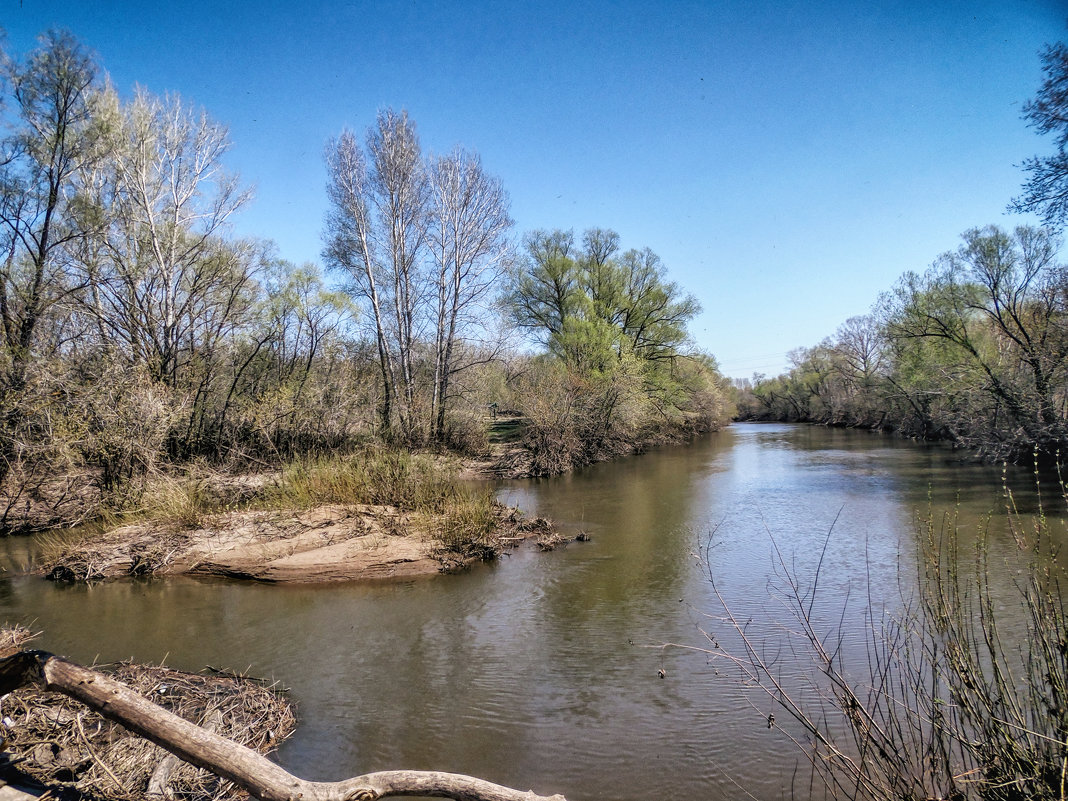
[(461, 517)]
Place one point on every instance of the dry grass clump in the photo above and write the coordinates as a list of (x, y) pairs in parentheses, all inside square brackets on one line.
[(94, 557), (471, 525), (184, 498), (463, 518), (477, 537), (59, 743), (13, 638), (412, 482)]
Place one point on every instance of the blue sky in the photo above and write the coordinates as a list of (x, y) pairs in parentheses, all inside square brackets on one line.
[(787, 160)]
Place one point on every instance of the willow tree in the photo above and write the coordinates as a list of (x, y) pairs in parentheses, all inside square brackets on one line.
[(580, 300), (49, 136), (544, 287), (618, 327), (53, 136), (1046, 189), (999, 304)]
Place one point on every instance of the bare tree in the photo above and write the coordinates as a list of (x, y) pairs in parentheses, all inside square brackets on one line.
[(400, 193), (860, 344), (376, 233), (169, 284), (423, 242), (351, 248), (471, 248)]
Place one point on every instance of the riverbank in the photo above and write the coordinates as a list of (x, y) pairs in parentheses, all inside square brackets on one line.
[(518, 448), (328, 543), (373, 475)]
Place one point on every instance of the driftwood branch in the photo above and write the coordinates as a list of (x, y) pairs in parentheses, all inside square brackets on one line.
[(159, 781), (249, 770)]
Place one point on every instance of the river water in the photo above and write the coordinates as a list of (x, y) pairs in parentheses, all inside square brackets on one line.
[(542, 670)]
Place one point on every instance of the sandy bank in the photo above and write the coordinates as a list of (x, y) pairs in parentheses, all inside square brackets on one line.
[(324, 544)]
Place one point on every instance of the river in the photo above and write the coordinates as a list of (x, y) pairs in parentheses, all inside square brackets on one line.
[(542, 670)]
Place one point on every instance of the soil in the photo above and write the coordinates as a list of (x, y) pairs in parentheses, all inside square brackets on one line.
[(503, 461)]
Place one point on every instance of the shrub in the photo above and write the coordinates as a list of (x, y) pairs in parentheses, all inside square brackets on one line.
[(948, 704), (466, 434)]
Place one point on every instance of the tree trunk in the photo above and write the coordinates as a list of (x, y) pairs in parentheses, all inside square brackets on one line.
[(249, 770)]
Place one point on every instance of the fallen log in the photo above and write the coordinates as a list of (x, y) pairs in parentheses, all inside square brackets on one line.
[(159, 781), (249, 770)]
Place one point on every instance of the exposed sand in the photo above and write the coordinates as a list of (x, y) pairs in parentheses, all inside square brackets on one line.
[(323, 544)]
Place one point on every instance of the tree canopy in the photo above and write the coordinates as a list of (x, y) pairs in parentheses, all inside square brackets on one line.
[(592, 304), (1046, 188)]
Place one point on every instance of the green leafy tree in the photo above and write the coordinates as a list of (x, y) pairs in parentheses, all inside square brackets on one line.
[(585, 302), (617, 327), (999, 303), (50, 135), (545, 288), (652, 312)]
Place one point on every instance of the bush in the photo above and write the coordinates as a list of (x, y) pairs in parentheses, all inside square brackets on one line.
[(125, 419), (466, 434)]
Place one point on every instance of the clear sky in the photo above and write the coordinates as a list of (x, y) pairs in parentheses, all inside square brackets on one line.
[(787, 160)]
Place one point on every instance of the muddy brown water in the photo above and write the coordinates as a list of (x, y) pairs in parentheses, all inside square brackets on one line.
[(542, 670)]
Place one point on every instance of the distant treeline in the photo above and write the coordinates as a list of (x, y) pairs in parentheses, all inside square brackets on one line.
[(138, 333), (974, 351)]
